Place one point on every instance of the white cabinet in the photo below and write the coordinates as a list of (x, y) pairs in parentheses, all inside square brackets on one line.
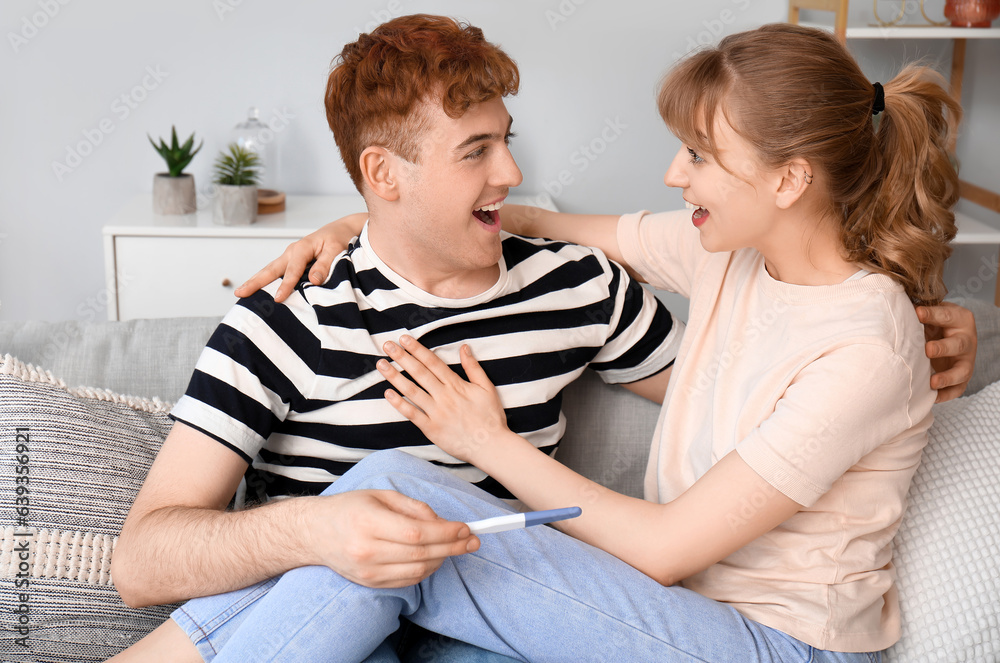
[(162, 267), (161, 277)]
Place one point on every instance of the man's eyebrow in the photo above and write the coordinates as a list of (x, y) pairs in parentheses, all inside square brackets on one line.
[(475, 138)]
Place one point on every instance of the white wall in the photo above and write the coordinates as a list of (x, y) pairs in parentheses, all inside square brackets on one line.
[(584, 64)]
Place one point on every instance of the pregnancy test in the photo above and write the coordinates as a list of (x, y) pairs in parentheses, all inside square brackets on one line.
[(519, 520)]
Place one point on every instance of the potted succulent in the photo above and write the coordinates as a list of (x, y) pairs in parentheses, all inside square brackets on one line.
[(173, 191), (237, 172)]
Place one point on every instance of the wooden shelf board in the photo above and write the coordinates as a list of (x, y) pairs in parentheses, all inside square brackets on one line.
[(913, 32), (972, 231)]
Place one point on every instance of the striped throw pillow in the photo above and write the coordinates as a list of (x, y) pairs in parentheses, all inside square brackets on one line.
[(71, 463)]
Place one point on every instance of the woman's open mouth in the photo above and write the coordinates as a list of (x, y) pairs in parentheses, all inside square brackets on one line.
[(699, 215)]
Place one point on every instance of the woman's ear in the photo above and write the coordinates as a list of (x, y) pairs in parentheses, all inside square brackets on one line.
[(796, 178), (377, 170)]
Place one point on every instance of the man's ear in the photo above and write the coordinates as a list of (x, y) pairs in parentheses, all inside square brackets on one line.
[(378, 166), (796, 178)]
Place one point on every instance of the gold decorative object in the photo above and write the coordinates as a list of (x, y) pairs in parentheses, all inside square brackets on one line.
[(928, 18), (886, 24), (902, 13)]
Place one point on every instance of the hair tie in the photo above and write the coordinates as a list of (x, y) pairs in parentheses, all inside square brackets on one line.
[(879, 104)]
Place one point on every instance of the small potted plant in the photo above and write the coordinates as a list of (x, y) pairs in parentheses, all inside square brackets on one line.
[(173, 191), (236, 174)]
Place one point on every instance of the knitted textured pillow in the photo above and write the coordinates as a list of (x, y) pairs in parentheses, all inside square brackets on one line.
[(946, 550), (71, 462)]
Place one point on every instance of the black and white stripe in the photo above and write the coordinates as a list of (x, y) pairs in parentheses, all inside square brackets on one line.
[(293, 388)]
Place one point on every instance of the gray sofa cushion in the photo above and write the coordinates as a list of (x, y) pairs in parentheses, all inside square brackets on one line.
[(608, 433), (988, 335), (150, 358)]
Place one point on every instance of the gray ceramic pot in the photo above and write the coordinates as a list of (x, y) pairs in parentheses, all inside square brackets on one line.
[(173, 195), (234, 205)]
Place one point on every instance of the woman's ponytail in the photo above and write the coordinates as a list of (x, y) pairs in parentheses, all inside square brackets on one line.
[(902, 223)]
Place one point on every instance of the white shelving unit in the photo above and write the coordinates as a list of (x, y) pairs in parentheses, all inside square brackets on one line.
[(913, 32)]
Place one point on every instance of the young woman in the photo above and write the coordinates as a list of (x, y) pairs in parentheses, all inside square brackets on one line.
[(795, 417)]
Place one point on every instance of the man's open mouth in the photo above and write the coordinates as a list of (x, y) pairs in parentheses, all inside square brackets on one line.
[(489, 214)]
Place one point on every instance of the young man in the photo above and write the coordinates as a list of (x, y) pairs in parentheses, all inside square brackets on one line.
[(416, 108)]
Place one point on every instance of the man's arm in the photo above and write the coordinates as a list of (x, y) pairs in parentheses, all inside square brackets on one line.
[(653, 388), (179, 542), (326, 243), (597, 230)]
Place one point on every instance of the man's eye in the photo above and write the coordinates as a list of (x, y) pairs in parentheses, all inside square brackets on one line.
[(475, 154), (506, 139), (694, 156)]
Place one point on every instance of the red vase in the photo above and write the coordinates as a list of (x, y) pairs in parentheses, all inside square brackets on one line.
[(971, 13)]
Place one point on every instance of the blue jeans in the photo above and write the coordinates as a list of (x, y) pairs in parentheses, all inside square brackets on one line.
[(532, 594)]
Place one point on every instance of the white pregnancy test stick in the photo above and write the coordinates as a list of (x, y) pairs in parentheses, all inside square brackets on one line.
[(519, 520)]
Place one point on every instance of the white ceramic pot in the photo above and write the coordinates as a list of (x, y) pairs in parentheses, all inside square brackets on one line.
[(174, 195), (234, 205)]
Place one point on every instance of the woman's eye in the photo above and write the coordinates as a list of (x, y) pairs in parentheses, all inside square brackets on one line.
[(475, 154), (506, 139), (694, 156)]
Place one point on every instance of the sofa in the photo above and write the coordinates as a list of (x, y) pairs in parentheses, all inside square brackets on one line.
[(72, 457)]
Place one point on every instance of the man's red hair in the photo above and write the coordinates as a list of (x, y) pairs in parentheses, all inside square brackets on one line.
[(377, 83)]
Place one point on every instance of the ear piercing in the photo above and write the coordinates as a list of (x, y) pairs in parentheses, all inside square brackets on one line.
[(808, 178)]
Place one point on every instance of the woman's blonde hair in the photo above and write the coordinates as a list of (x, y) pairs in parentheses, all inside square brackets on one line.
[(795, 92)]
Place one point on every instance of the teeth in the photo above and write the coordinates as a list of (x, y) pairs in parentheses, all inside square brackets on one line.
[(690, 205), (490, 208)]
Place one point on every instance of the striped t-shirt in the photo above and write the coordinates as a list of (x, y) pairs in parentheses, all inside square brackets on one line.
[(293, 389)]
